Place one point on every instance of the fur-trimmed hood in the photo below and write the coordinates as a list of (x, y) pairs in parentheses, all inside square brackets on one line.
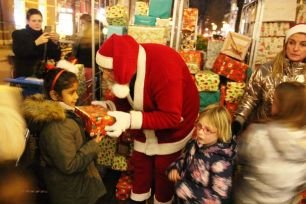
[(37, 111)]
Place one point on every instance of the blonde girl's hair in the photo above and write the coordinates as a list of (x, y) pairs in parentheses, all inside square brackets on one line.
[(218, 117), (291, 97)]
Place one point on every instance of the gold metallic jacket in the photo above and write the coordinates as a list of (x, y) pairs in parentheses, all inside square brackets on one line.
[(257, 100)]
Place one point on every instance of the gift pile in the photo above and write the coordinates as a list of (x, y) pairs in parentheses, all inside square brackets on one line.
[(95, 118), (222, 79), (150, 24), (189, 28)]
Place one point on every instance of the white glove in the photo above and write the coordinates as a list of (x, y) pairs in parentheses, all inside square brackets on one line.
[(123, 122), (106, 104)]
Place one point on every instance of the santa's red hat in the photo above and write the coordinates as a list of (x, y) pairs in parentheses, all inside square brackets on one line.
[(119, 53)]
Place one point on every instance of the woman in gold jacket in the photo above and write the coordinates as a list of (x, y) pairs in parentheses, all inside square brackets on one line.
[(288, 65)]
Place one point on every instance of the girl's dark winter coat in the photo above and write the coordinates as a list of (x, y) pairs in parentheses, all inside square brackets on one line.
[(27, 54), (69, 171)]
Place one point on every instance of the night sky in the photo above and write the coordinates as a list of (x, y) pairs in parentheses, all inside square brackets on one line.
[(211, 10)]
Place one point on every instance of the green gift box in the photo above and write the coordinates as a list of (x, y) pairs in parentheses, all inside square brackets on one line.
[(207, 98), (145, 20), (120, 30), (160, 8)]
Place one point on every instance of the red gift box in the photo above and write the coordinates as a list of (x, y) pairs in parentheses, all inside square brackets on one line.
[(95, 118), (230, 68), (231, 107), (124, 188)]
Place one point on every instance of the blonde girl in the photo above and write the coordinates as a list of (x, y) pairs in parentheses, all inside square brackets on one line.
[(203, 173)]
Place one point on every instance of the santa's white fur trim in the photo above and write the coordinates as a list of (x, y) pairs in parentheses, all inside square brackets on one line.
[(152, 147), (103, 61), (136, 119), (121, 91), (140, 197)]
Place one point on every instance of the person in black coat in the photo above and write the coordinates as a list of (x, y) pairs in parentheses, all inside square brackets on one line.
[(29, 44)]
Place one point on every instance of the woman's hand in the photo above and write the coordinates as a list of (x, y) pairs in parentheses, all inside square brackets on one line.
[(54, 37), (174, 175), (42, 39)]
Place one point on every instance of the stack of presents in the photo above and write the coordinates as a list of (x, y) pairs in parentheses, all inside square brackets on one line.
[(220, 76), (151, 22)]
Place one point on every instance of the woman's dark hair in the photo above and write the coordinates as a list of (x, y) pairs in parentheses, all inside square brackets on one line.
[(65, 80), (33, 11)]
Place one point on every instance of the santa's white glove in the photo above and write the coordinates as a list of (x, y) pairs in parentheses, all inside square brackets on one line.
[(106, 104), (123, 122)]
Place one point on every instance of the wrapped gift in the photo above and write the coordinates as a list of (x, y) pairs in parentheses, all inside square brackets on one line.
[(213, 50), (207, 98), (268, 48), (274, 28), (188, 40), (207, 81), (193, 59), (146, 34), (166, 24), (123, 187), (190, 19), (117, 15), (160, 8), (230, 68), (231, 107), (119, 163), (81, 79), (107, 81), (141, 8), (107, 152), (119, 30), (144, 20), (236, 45), (95, 118), (301, 14), (234, 91)]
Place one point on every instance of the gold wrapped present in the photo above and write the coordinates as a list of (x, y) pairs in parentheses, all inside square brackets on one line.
[(193, 59), (236, 45), (148, 34), (188, 40), (117, 15), (207, 81), (234, 91), (190, 19), (141, 8)]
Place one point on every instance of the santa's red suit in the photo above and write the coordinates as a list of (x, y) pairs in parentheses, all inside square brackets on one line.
[(165, 105)]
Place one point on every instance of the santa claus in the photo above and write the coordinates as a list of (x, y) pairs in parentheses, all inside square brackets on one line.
[(165, 104)]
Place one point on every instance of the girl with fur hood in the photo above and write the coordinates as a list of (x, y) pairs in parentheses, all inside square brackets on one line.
[(67, 156), (272, 156)]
